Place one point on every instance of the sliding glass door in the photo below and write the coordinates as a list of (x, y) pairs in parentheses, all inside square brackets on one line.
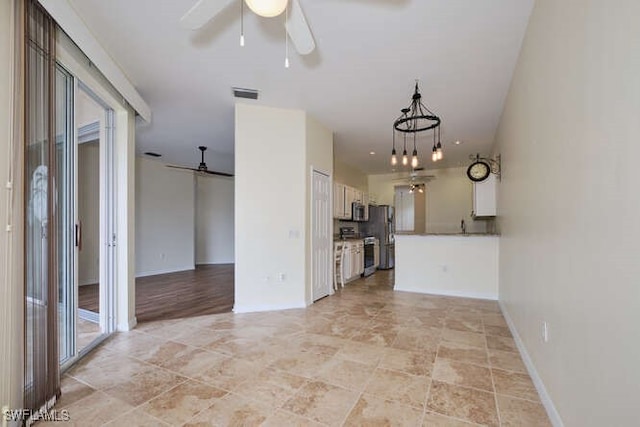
[(85, 201)]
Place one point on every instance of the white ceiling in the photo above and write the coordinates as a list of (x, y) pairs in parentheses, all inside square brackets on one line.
[(368, 55)]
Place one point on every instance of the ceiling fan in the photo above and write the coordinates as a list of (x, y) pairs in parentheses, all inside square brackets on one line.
[(296, 24), (415, 177), (202, 167)]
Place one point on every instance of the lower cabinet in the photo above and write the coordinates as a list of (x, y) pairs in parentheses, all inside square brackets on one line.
[(353, 261)]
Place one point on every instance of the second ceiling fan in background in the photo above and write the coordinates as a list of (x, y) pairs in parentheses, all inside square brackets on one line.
[(296, 24)]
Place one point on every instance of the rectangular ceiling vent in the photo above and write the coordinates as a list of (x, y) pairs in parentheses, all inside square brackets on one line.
[(239, 92)]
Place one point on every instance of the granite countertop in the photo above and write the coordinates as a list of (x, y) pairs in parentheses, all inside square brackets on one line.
[(449, 234), (337, 238)]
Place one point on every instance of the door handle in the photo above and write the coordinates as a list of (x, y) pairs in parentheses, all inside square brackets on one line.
[(79, 235)]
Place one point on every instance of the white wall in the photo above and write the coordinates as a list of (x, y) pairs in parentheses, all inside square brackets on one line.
[(270, 170), (165, 218), (569, 205), (449, 199), (319, 157), (214, 220), (463, 266), (349, 175)]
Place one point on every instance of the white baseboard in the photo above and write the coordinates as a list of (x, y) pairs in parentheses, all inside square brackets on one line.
[(128, 326), (165, 271), (257, 308), (492, 297), (552, 412)]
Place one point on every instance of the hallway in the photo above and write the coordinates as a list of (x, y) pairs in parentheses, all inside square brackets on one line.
[(366, 355)]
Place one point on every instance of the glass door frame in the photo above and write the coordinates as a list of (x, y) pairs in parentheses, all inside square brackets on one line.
[(107, 214)]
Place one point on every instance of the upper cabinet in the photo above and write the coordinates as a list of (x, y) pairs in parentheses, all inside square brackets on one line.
[(343, 197), (484, 197)]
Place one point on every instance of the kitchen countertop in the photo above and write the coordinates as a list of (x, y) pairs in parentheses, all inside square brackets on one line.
[(449, 234)]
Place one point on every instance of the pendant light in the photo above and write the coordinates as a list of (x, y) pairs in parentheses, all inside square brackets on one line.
[(413, 119), (394, 157)]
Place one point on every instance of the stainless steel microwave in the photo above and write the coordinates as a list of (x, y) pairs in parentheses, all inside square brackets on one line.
[(358, 212)]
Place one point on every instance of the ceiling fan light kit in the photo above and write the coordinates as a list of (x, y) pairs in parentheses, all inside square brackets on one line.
[(267, 8), (414, 119)]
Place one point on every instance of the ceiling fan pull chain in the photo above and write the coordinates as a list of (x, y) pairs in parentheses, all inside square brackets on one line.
[(242, 23), (286, 38)]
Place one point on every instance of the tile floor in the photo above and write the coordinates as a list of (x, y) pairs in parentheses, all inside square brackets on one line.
[(365, 356)]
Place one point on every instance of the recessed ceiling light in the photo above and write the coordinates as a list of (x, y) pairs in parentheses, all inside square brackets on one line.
[(372, 153), (458, 142)]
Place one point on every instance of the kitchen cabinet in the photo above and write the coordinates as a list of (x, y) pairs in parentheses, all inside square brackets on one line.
[(353, 261), (340, 210), (343, 198), (484, 197)]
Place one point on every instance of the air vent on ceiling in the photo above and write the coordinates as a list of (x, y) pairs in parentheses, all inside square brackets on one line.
[(152, 154), (239, 92)]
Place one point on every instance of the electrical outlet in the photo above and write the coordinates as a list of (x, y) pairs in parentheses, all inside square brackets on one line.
[(545, 332)]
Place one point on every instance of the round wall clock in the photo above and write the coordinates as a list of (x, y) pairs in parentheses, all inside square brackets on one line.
[(478, 171)]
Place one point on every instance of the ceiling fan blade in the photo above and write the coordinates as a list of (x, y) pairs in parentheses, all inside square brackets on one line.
[(299, 30), (201, 12), (217, 173), (181, 167)]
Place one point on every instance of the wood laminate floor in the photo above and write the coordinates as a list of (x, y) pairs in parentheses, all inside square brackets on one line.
[(206, 290)]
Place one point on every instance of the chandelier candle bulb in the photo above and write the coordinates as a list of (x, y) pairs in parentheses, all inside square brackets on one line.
[(405, 159)]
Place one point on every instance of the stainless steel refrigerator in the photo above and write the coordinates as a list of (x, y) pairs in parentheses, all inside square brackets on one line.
[(381, 225)]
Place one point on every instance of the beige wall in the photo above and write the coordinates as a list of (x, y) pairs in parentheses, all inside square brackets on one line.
[(214, 220), (349, 175), (448, 199), (270, 171), (569, 206), (165, 218), (89, 212), (275, 151)]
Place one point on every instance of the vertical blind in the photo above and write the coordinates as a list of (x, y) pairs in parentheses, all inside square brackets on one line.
[(42, 375)]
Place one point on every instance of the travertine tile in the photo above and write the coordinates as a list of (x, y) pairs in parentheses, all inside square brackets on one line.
[(271, 386), (373, 411), (463, 353), (462, 374), (501, 343), (322, 402), (287, 419), (507, 360), (145, 386), (345, 373), (463, 403), (410, 362), (398, 386), (466, 325), (514, 384), (501, 331), (136, 418), (232, 410), (365, 356), (96, 409), (72, 391), (473, 339), (178, 405), (362, 353), (432, 419), (521, 413)]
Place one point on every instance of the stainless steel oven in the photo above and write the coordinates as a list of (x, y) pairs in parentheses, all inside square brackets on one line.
[(370, 245)]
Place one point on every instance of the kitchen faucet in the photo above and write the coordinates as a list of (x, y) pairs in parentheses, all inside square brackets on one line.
[(463, 228)]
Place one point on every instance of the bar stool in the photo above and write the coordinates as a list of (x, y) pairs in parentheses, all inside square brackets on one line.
[(338, 276)]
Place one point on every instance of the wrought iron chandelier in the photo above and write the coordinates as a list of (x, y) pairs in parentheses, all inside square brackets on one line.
[(414, 119)]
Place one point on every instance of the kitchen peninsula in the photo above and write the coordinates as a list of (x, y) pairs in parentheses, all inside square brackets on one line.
[(464, 265)]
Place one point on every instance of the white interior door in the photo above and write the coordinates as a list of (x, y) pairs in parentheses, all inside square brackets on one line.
[(321, 238)]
